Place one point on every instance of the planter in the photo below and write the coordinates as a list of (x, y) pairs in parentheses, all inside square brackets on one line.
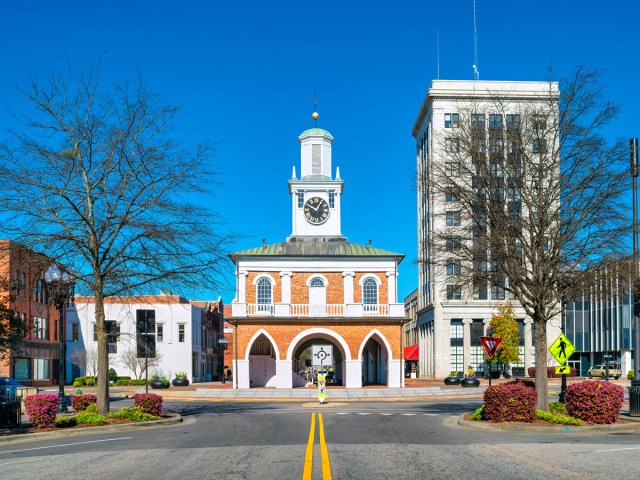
[(470, 382), (155, 384), (452, 381), (180, 382)]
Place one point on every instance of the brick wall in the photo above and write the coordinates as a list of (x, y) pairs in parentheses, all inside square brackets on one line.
[(353, 333)]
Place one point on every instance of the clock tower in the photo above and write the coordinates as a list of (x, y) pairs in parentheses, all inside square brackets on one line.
[(315, 196)]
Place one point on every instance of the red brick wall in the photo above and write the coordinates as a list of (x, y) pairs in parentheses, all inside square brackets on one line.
[(283, 332)]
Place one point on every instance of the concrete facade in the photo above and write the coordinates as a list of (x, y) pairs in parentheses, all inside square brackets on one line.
[(449, 326)]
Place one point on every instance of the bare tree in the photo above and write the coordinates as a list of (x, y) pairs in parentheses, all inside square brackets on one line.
[(129, 359), (95, 181), (86, 360), (537, 195), (11, 329)]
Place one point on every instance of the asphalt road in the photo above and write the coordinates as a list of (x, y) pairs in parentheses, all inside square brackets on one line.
[(361, 440)]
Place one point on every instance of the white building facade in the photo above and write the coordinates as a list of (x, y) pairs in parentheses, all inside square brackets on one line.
[(452, 318), (177, 334)]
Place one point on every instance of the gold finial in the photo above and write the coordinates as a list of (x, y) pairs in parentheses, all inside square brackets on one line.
[(315, 115)]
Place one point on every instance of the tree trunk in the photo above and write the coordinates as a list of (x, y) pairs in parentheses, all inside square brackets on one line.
[(103, 358), (542, 388)]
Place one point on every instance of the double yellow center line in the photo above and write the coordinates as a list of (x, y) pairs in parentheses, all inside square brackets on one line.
[(324, 452)]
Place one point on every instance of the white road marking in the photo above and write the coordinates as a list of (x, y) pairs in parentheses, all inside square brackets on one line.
[(617, 449), (385, 414), (430, 414), (408, 414), (364, 413), (65, 445), (343, 413)]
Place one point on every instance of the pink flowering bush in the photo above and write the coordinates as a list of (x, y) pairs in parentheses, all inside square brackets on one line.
[(149, 402), (509, 402), (595, 402), (81, 402), (42, 410)]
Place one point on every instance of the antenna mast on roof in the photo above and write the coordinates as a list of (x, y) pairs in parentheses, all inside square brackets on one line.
[(476, 68), (438, 51)]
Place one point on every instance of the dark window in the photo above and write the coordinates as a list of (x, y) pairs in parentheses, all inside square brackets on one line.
[(332, 200), (513, 121), (539, 146), (74, 332), (451, 120), (453, 243), (452, 145), (453, 218), (454, 292), (181, 333), (477, 120), (454, 267), (300, 200), (495, 121), (452, 169)]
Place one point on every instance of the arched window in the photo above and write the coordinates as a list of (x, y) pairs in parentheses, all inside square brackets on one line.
[(264, 294), (316, 282), (369, 294)]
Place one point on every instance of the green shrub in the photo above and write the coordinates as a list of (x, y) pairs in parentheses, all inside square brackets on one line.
[(90, 416), (630, 374), (113, 375), (559, 418), (123, 378), (89, 382), (65, 422), (595, 402), (81, 402), (558, 408), (477, 415), (135, 414), (79, 381), (509, 402)]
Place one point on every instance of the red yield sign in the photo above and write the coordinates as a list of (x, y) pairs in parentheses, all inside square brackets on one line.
[(490, 344)]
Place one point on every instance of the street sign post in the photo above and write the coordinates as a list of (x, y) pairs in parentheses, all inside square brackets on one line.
[(562, 349), (490, 345), (563, 370), (322, 384)]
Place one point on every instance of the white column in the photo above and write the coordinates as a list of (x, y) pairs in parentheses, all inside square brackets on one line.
[(391, 287), (394, 379), (528, 361), (242, 286), (284, 377), (353, 374), (348, 287), (466, 342), (242, 370), (286, 287)]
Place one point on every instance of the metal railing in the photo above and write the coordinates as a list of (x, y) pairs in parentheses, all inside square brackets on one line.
[(306, 310), (10, 411)]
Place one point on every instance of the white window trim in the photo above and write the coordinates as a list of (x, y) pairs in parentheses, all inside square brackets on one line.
[(317, 275)]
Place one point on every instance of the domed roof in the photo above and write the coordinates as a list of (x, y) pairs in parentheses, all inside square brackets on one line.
[(316, 132)]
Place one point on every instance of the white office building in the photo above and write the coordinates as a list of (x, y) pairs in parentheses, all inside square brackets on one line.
[(452, 318)]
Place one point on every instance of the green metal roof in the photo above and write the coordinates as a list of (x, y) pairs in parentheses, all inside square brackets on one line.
[(310, 248), (316, 131)]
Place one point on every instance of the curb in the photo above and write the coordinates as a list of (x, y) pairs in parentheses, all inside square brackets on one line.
[(506, 427), (12, 439)]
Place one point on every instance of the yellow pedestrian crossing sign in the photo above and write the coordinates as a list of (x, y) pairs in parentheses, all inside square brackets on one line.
[(562, 349), (563, 370)]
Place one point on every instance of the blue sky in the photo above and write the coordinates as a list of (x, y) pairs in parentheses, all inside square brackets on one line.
[(245, 73)]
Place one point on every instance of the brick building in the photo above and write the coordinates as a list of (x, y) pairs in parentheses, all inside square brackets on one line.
[(36, 361), (316, 293)]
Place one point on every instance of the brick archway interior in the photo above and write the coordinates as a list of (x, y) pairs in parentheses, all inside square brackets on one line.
[(322, 339)]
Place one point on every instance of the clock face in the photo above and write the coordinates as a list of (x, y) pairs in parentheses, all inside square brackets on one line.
[(316, 210)]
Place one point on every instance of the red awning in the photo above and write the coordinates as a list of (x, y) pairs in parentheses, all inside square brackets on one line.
[(412, 352)]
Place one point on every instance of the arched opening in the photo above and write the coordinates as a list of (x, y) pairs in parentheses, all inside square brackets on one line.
[(375, 361), (262, 363), (305, 367)]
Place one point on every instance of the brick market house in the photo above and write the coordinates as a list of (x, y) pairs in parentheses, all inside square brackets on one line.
[(315, 292)]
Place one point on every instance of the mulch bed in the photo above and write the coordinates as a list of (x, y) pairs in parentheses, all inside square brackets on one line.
[(542, 423)]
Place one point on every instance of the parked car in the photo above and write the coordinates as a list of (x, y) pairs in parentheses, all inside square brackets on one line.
[(600, 371), (9, 386)]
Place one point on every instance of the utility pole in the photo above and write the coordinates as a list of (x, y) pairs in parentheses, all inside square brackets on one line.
[(634, 389)]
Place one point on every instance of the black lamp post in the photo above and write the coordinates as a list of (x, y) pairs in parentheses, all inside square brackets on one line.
[(562, 398), (60, 286), (223, 343), (634, 389)]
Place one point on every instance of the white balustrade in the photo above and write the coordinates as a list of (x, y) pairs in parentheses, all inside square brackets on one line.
[(329, 310)]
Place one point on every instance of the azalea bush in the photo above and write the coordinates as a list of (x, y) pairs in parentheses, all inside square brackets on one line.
[(41, 410), (81, 402), (149, 402), (595, 402), (509, 402)]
